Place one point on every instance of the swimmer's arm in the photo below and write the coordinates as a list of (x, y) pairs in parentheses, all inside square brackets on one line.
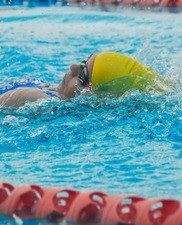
[(20, 96), (48, 86)]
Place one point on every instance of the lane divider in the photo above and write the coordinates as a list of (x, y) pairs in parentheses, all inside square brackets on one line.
[(63, 205), (159, 3)]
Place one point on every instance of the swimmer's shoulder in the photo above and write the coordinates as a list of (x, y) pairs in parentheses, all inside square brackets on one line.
[(19, 96)]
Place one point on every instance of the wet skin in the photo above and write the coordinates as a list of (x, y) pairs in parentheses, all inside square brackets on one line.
[(66, 88)]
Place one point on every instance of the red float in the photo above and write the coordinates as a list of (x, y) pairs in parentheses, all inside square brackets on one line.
[(5, 192), (120, 209), (155, 211), (22, 200), (176, 218), (87, 208), (54, 204)]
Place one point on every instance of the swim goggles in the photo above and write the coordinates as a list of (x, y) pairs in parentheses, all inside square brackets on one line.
[(84, 76)]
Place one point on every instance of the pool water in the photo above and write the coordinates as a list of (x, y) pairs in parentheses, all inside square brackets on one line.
[(131, 144)]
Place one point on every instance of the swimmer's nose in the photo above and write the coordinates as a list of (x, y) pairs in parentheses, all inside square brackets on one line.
[(75, 69)]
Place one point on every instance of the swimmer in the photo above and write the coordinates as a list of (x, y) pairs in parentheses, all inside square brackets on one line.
[(106, 71)]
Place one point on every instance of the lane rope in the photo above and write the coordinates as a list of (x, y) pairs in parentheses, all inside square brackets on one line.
[(64, 205)]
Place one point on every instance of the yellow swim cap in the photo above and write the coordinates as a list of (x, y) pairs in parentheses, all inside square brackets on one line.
[(111, 65)]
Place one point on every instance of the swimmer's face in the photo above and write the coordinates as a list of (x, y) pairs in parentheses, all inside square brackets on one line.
[(72, 79)]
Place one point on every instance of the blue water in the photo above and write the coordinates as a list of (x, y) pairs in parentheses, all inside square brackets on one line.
[(131, 144)]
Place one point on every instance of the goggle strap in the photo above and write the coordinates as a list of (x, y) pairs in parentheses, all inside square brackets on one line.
[(82, 64)]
